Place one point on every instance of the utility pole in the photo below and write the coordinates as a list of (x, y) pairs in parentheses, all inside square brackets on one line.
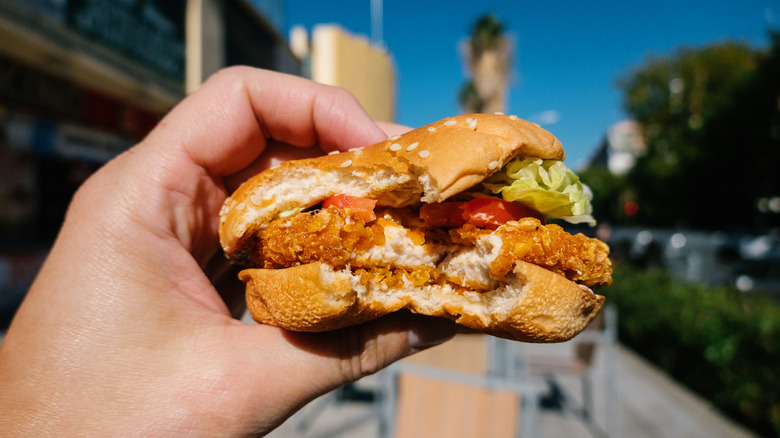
[(376, 22)]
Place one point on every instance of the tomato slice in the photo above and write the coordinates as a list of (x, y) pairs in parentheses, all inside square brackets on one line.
[(443, 214), (364, 207), (494, 212), (481, 212)]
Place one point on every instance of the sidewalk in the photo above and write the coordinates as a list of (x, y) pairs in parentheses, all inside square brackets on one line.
[(650, 405)]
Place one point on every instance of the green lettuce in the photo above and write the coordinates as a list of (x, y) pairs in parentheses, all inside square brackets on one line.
[(547, 186)]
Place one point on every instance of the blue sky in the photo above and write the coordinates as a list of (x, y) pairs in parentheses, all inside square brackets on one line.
[(568, 55)]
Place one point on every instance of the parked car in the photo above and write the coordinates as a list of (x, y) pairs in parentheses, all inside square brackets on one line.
[(749, 262)]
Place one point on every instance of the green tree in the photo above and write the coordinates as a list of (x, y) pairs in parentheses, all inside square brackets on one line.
[(710, 117)]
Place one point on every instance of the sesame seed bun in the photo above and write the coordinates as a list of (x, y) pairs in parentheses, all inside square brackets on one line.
[(427, 165)]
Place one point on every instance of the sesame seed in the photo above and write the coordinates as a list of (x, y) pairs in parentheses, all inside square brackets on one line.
[(334, 152), (346, 163), (256, 199), (450, 122), (394, 138), (513, 117), (395, 147), (424, 154), (357, 151), (412, 146), (493, 165), (431, 129), (498, 113), (473, 124), (241, 206)]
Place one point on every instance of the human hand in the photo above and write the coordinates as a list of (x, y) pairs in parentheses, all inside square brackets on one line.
[(130, 329)]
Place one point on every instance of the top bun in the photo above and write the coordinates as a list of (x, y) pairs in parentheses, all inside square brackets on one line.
[(428, 164)]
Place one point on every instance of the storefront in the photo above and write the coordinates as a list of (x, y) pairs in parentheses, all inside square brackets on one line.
[(83, 80), (53, 134), (80, 82)]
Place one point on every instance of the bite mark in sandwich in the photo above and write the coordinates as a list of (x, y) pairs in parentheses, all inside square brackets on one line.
[(447, 220)]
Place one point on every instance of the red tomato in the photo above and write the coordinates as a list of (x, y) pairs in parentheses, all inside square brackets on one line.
[(364, 207), (494, 212), (481, 212), (443, 214)]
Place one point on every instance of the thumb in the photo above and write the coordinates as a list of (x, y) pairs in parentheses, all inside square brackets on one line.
[(294, 368), (351, 353)]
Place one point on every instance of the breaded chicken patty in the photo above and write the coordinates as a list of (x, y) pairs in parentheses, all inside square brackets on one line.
[(396, 247)]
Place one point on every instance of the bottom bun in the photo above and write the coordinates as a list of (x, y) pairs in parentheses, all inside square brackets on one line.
[(536, 305)]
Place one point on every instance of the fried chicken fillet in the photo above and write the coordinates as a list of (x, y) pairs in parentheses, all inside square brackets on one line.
[(392, 251)]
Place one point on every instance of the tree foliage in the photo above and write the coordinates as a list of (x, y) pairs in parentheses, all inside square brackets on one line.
[(711, 119), (609, 192)]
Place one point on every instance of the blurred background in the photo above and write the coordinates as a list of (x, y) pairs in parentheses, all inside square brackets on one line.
[(670, 112)]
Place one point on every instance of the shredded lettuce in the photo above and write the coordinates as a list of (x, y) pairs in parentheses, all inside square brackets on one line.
[(547, 186)]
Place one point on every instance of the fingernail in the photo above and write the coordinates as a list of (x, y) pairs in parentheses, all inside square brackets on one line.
[(426, 332)]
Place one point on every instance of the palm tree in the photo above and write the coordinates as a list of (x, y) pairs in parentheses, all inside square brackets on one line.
[(488, 57)]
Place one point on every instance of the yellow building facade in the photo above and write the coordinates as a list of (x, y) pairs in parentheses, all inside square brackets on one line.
[(352, 62)]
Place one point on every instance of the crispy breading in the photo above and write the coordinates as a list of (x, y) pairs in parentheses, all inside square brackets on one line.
[(579, 258), (334, 236), (330, 236)]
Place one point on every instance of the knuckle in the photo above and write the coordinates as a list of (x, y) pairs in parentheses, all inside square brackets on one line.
[(361, 354)]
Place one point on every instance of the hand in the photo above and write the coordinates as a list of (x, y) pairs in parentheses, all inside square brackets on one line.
[(130, 329)]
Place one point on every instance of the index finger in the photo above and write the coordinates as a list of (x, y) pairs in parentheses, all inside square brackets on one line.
[(276, 153), (227, 123)]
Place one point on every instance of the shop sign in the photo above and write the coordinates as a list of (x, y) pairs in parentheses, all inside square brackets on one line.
[(62, 139), (148, 31)]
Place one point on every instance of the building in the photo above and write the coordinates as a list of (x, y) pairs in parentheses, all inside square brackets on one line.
[(622, 145), (81, 81), (333, 56)]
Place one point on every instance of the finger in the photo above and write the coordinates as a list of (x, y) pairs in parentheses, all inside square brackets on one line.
[(224, 126), (347, 355), (316, 363), (390, 129), (275, 153)]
